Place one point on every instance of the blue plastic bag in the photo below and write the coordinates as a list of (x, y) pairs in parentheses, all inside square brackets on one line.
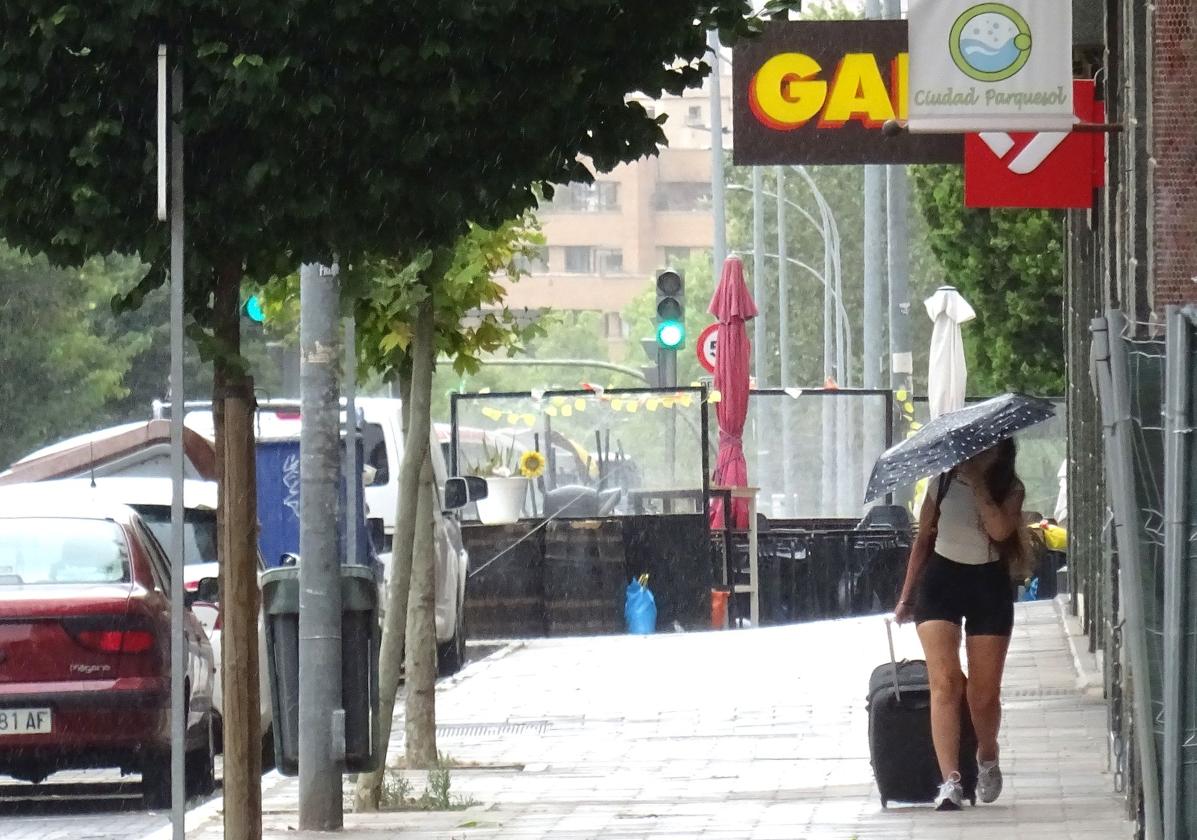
[(1032, 590), (640, 609)]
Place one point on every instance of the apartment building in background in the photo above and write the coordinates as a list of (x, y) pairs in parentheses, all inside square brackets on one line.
[(605, 240)]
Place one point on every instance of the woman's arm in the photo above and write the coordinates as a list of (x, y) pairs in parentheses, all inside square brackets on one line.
[(919, 552), (999, 521)]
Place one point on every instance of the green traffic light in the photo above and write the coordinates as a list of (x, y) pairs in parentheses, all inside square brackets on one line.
[(254, 311), (671, 334)]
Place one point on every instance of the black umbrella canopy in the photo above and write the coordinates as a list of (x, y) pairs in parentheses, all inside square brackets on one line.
[(951, 439)]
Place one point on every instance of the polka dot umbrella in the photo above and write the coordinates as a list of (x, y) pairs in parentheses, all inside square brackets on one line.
[(951, 439)]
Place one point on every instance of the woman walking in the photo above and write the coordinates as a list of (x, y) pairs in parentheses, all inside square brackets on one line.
[(970, 544)]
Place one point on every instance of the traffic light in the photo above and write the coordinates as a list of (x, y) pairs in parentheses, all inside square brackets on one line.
[(253, 309), (671, 309)]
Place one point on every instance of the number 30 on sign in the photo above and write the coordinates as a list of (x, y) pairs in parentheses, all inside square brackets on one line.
[(705, 347)]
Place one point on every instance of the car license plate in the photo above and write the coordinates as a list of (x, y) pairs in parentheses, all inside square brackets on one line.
[(25, 721)]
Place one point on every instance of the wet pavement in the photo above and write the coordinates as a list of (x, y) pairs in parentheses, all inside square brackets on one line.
[(750, 734)]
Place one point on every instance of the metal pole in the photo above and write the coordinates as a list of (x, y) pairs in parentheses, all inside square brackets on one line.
[(874, 263), (1115, 416), (829, 503), (760, 327), (353, 469), (1177, 435), (898, 252), (178, 662), (719, 245), (320, 806), (783, 340)]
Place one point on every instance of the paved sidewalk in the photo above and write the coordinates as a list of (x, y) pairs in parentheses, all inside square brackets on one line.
[(745, 735)]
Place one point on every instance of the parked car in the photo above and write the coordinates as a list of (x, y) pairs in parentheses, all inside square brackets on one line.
[(382, 444), (151, 498), (85, 647)]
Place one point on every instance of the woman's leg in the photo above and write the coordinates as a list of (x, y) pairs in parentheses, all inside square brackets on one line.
[(986, 661), (941, 646)]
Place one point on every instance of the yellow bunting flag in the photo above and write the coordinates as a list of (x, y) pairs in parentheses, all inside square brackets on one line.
[(715, 397), (550, 411), (617, 404), (633, 406), (901, 395), (567, 411), (512, 419), (580, 404), (492, 413), (529, 420), (652, 404)]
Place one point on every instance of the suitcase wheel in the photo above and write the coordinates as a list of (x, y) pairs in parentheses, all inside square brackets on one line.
[(972, 800)]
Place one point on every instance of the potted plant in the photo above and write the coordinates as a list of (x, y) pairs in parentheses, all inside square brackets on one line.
[(507, 480)]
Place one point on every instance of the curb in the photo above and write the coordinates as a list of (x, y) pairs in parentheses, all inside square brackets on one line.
[(1088, 666), (207, 812), (202, 814)]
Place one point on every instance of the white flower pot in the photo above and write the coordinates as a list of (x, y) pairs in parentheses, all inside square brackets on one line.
[(504, 500)]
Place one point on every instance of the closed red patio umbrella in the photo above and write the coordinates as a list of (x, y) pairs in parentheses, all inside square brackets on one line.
[(732, 305)]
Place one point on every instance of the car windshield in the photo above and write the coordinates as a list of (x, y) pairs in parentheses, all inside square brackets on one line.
[(199, 532), (61, 550)]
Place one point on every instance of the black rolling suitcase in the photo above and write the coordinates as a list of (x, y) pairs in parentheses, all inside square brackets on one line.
[(900, 747)]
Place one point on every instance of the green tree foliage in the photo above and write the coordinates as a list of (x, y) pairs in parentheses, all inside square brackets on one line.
[(365, 129), (1009, 264), (62, 361), (388, 293)]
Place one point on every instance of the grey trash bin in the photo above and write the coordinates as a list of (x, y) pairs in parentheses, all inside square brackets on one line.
[(359, 664)]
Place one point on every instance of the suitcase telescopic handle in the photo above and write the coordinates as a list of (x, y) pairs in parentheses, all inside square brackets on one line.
[(893, 658)]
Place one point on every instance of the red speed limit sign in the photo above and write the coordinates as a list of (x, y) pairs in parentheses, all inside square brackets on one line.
[(705, 346)]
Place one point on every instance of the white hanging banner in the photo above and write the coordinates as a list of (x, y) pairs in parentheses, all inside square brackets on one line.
[(990, 66)]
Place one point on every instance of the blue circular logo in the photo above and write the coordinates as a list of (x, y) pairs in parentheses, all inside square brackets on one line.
[(990, 42)]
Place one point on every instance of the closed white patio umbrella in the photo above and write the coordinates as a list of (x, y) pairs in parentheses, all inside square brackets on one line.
[(947, 371)]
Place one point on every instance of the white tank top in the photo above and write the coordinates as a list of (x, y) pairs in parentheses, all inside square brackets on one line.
[(961, 535)]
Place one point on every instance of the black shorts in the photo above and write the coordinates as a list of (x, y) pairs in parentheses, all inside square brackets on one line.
[(980, 597)]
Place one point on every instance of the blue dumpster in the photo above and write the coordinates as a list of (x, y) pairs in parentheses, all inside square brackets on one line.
[(278, 505)]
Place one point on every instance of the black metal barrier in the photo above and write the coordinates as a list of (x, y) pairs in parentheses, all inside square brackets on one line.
[(568, 578)]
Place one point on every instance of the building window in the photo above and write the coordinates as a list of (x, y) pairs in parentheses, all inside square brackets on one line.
[(610, 261), (535, 263), (614, 327), (599, 197), (676, 257), (694, 116), (579, 259), (682, 196)]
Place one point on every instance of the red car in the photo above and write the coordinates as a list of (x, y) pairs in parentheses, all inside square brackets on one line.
[(85, 648)]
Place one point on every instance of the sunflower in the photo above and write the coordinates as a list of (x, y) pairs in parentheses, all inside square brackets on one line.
[(531, 464)]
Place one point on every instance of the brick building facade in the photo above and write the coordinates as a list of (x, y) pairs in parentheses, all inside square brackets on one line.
[(1173, 130)]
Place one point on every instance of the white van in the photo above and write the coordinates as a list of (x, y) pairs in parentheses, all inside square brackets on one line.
[(382, 447)]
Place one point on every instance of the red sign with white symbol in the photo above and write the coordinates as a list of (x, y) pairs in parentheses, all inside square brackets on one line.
[(1050, 169), (705, 347)]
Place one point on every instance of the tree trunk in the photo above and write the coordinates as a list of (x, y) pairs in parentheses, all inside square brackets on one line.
[(415, 450), (233, 402), (420, 715)]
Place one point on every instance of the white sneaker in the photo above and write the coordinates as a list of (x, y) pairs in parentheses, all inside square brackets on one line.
[(989, 780), (951, 794)]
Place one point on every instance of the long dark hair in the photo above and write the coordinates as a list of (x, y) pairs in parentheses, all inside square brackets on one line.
[(1001, 479)]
